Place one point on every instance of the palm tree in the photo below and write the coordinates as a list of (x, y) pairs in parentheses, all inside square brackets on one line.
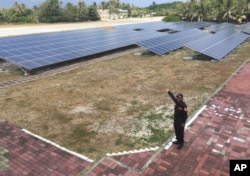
[(70, 12), (82, 11), (241, 11), (182, 11), (205, 8), (134, 11), (190, 10), (221, 10), (113, 7), (248, 9), (103, 5), (19, 8)]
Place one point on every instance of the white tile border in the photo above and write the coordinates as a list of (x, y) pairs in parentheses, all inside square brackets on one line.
[(195, 116), (133, 151), (58, 146)]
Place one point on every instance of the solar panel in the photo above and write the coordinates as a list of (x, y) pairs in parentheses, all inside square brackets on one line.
[(35, 51), (220, 27), (192, 25), (177, 26), (38, 50), (208, 41), (244, 28), (166, 44), (218, 45)]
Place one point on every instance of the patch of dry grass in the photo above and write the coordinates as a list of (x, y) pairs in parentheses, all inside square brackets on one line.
[(118, 104)]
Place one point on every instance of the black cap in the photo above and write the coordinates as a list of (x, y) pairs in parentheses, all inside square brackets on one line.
[(179, 95)]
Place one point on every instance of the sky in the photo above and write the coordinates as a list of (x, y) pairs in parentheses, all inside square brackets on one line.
[(31, 3)]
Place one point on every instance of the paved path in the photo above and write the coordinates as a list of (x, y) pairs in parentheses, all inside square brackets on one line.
[(23, 153)]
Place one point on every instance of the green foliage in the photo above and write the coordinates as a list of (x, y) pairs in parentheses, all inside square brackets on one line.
[(164, 9), (52, 11), (82, 11), (80, 134), (93, 14), (171, 18), (158, 136), (91, 149), (70, 13), (80, 131)]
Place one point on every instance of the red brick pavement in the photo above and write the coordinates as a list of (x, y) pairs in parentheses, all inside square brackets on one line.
[(22, 154)]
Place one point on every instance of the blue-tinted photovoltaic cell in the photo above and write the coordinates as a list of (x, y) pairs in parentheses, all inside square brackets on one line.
[(208, 41), (177, 26), (220, 27), (39, 50), (166, 44), (244, 28), (35, 51), (218, 45), (181, 26)]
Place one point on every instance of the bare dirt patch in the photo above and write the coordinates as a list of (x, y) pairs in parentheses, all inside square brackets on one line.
[(115, 105)]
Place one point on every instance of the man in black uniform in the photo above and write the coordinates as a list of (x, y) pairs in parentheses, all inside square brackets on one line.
[(180, 117)]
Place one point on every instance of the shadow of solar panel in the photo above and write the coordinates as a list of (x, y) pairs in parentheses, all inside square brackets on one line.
[(220, 48), (246, 31)]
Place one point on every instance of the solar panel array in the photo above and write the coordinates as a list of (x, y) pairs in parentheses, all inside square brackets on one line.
[(183, 25), (220, 27), (244, 28), (166, 44), (218, 45), (38, 50), (35, 51), (176, 26)]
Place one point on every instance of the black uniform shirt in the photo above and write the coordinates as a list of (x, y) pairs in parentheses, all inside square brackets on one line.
[(180, 109)]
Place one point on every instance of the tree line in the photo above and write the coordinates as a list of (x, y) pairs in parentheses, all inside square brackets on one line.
[(234, 11), (51, 11)]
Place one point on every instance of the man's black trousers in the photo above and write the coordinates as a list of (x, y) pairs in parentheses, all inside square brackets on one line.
[(179, 132)]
